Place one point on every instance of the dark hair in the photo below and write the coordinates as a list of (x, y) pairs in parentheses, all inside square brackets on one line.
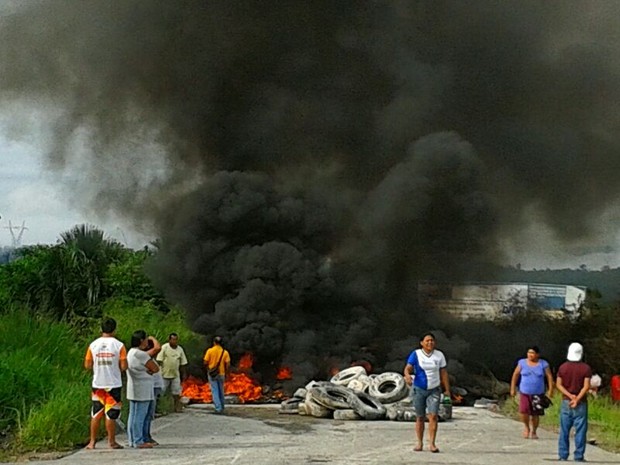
[(534, 348), (108, 325), (427, 334), (172, 335), (137, 337)]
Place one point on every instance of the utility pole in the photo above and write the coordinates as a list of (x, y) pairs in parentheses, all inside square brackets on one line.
[(17, 238)]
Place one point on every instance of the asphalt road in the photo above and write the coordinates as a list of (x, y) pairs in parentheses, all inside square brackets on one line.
[(255, 435)]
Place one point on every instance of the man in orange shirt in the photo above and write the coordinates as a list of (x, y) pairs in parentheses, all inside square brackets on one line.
[(107, 358), (217, 363)]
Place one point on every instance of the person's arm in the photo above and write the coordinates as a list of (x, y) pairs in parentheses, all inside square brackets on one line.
[(445, 380), (151, 366), (122, 361), (88, 360), (156, 347), (183, 365), (407, 373), (549, 376), (562, 389), (515, 378), (226, 363), (584, 391)]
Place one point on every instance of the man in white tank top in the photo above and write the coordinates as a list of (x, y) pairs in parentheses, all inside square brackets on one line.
[(107, 358)]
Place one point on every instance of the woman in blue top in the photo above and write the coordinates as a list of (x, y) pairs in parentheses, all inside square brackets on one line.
[(532, 372)]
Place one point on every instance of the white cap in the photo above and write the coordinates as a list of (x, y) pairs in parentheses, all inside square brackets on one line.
[(575, 352)]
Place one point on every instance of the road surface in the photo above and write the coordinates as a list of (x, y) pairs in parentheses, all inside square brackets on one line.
[(254, 435)]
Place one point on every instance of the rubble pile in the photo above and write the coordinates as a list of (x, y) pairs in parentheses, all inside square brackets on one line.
[(352, 394)]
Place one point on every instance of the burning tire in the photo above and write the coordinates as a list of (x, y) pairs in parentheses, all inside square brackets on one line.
[(388, 387), (367, 407), (342, 378), (333, 397), (346, 414)]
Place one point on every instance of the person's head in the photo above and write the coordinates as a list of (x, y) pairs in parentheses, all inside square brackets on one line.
[(427, 342), (139, 339), (533, 352), (108, 326), (217, 340), (173, 340), (575, 352)]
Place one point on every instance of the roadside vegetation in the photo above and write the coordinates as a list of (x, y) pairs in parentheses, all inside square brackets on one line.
[(52, 301), (603, 418)]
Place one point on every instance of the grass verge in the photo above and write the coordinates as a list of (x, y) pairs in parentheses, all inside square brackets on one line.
[(603, 420)]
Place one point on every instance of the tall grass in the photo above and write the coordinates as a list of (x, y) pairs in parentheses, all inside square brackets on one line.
[(603, 419), (36, 354)]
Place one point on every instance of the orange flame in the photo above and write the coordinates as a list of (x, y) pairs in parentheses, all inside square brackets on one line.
[(284, 373), (246, 361), (238, 384)]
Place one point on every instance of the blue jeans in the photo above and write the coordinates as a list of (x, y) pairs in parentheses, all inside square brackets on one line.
[(217, 390), (573, 417), (137, 422), (150, 416), (426, 401)]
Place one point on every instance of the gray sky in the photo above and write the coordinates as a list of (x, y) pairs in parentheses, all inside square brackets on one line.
[(30, 194)]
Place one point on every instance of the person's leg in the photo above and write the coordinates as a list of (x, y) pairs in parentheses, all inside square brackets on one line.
[(150, 414), (220, 382), (566, 423), (419, 402), (419, 432), (110, 426), (96, 414), (524, 414), (535, 422), (215, 394), (94, 429), (175, 389), (432, 407), (580, 422), (141, 411), (131, 424)]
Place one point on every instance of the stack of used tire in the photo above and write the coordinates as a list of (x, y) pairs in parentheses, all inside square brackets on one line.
[(354, 395)]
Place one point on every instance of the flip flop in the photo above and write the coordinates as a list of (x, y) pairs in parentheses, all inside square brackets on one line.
[(435, 450), (417, 448), (116, 445)]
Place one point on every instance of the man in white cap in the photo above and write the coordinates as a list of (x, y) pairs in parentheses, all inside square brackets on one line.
[(573, 382)]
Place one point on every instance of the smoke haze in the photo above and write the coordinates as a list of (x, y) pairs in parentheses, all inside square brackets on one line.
[(306, 163)]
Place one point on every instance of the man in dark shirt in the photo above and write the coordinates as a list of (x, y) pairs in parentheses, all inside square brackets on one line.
[(573, 382)]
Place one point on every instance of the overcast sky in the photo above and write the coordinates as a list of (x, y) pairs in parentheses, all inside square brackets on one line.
[(32, 195), (29, 195)]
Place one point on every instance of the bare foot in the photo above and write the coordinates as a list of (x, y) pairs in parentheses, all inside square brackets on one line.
[(90, 446), (533, 435), (418, 448), (526, 434), (434, 449)]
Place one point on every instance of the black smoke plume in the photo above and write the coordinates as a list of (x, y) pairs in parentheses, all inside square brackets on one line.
[(306, 163)]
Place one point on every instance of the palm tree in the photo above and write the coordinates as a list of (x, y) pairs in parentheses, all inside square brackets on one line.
[(88, 254)]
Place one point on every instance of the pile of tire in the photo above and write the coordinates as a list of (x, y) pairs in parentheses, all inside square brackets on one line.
[(349, 395)]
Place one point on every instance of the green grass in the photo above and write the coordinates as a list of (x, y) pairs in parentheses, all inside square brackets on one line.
[(603, 419)]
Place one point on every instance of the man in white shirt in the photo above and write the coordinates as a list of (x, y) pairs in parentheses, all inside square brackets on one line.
[(107, 358)]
